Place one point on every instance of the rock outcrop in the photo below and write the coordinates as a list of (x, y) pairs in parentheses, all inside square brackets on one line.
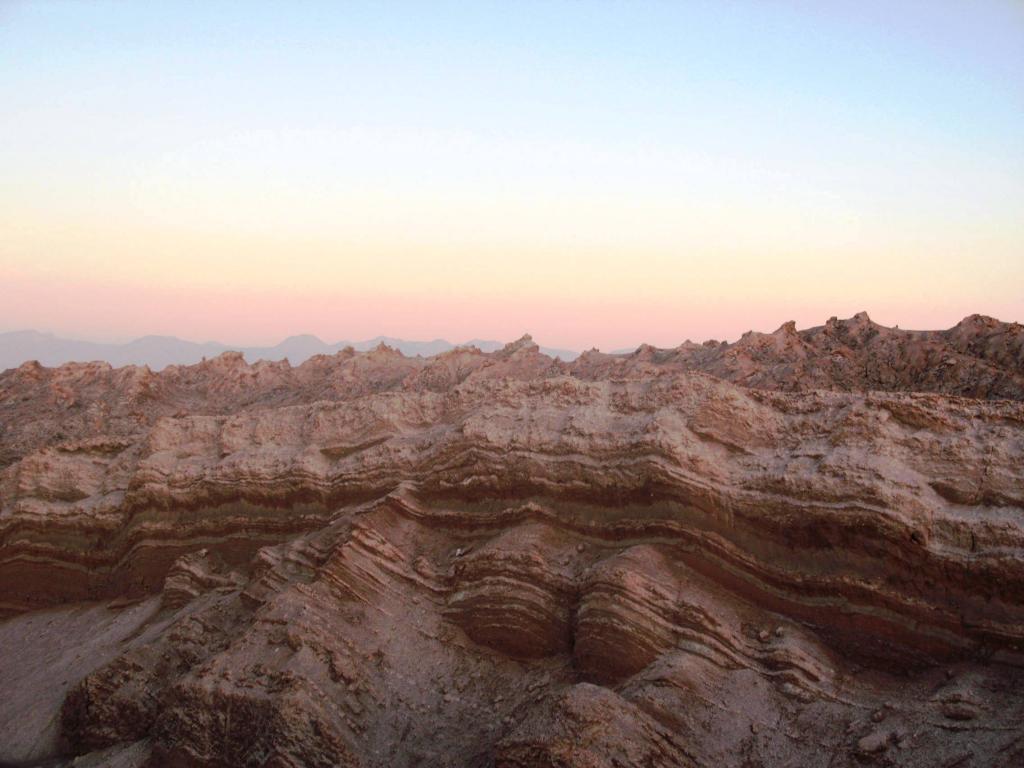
[(980, 357), (505, 560)]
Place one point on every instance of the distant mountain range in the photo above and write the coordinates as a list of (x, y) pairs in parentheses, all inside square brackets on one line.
[(157, 352)]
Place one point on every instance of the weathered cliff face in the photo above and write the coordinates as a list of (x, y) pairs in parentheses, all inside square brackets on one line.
[(504, 560), (979, 357)]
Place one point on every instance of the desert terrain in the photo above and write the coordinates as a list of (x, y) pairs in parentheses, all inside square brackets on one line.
[(804, 548)]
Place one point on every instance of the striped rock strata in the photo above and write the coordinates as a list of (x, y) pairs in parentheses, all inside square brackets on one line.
[(499, 561)]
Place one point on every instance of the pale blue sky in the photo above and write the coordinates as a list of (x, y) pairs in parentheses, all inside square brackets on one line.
[(655, 150)]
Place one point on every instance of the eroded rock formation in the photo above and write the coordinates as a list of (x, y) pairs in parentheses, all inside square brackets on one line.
[(505, 560)]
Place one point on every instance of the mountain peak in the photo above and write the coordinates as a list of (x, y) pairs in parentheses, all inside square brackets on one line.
[(524, 342)]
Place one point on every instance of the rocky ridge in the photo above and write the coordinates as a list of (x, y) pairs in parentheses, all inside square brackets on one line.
[(979, 357), (505, 560)]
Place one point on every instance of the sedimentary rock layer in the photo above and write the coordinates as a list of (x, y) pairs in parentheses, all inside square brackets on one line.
[(504, 560)]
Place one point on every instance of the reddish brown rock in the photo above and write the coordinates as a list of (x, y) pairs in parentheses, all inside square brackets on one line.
[(504, 560)]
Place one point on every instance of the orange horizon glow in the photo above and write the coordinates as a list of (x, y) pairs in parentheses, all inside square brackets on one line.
[(254, 318)]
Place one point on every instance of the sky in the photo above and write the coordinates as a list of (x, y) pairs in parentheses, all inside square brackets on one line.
[(594, 173)]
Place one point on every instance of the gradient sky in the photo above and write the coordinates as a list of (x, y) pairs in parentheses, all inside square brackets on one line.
[(597, 173)]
